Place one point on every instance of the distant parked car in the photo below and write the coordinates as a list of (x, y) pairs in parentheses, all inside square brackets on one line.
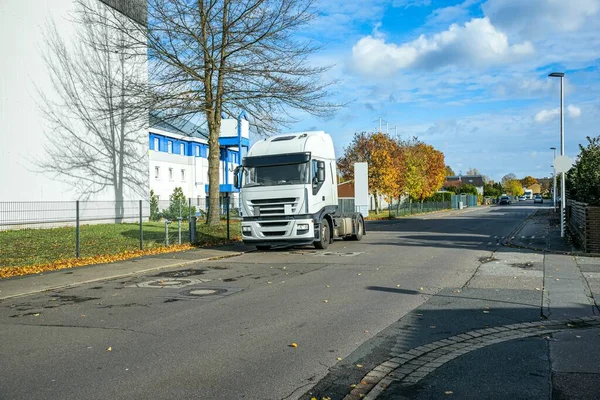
[(522, 198), (504, 200), (538, 199)]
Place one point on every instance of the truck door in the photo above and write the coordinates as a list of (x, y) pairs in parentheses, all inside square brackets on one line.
[(319, 195)]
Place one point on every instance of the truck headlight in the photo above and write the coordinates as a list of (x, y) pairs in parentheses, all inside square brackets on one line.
[(302, 227)]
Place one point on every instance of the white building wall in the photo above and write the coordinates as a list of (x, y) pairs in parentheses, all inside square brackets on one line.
[(22, 127)]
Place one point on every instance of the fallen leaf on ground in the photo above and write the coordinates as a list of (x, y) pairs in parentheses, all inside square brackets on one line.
[(325, 301), (456, 291), (353, 385), (339, 358), (448, 392), (36, 314), (421, 288), (359, 274), (359, 365), (109, 348), (294, 345)]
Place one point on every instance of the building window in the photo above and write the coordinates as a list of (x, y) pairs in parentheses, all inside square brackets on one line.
[(170, 174), (170, 147), (197, 151), (183, 175), (157, 172), (182, 149), (155, 144)]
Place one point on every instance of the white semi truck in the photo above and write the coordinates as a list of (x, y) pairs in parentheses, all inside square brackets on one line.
[(288, 193)]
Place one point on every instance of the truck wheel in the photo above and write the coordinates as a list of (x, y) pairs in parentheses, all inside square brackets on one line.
[(263, 248), (359, 230), (325, 236)]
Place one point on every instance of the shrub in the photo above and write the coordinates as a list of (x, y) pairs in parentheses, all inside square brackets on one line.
[(583, 179)]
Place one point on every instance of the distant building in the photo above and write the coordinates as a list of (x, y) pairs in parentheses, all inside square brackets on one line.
[(458, 181), (178, 157), (536, 188)]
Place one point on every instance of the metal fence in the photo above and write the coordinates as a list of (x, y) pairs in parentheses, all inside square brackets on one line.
[(408, 207), (40, 232)]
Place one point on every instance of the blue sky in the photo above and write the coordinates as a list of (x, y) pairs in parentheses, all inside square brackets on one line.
[(468, 77)]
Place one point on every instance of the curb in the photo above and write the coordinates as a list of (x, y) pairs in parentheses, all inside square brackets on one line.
[(117, 276), (508, 243)]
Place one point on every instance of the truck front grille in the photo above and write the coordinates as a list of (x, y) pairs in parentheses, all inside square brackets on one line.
[(280, 206)]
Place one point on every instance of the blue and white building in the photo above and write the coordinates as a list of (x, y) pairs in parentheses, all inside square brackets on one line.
[(178, 157)]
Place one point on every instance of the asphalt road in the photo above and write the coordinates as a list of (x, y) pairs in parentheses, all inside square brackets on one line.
[(125, 339)]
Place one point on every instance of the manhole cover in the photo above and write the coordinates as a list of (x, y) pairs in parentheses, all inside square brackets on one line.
[(205, 292), (181, 273), (169, 283)]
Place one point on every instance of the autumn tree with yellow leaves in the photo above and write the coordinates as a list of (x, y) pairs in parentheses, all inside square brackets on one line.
[(396, 167), (379, 151), (423, 172)]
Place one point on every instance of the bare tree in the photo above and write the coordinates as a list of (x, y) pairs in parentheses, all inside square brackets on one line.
[(217, 57), (97, 114)]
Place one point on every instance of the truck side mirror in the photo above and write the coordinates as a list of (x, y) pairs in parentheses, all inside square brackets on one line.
[(321, 171), (236, 177)]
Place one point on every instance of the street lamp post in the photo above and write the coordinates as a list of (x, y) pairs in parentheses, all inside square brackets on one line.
[(554, 179), (561, 75)]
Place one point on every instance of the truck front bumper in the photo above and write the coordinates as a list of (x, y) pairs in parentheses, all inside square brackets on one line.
[(278, 232)]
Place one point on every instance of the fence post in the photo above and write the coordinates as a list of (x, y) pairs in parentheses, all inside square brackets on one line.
[(167, 232), (190, 219), (227, 211), (141, 229), (179, 229), (77, 228)]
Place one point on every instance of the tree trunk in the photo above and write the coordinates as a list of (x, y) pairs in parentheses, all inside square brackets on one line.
[(214, 217), (119, 206), (376, 197)]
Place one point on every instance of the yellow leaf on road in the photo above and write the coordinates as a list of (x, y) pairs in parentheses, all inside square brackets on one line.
[(294, 345), (109, 348), (359, 365)]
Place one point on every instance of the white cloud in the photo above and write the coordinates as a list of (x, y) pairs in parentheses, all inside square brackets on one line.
[(536, 18), (477, 43), (451, 13), (548, 115), (573, 111)]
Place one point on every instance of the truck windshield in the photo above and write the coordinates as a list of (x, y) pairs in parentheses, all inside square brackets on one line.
[(274, 175)]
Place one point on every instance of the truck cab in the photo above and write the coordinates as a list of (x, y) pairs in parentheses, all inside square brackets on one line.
[(288, 193)]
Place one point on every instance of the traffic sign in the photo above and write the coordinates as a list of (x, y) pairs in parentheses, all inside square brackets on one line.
[(562, 164)]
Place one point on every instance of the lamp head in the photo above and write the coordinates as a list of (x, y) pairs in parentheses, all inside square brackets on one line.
[(557, 74)]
